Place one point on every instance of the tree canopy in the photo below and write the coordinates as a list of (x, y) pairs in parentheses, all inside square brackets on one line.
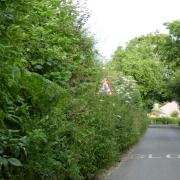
[(152, 60)]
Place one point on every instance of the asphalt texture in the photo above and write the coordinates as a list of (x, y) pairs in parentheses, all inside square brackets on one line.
[(156, 157)]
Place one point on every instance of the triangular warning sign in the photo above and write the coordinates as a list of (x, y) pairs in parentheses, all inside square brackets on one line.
[(106, 88)]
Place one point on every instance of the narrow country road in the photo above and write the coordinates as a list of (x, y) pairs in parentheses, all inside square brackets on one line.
[(156, 157)]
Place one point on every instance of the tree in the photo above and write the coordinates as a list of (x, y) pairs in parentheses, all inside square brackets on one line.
[(169, 47), (141, 59), (174, 86)]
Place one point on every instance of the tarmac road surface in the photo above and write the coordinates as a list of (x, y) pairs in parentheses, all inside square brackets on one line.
[(156, 157)]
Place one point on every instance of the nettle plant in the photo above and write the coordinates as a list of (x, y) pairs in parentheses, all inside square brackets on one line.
[(127, 88)]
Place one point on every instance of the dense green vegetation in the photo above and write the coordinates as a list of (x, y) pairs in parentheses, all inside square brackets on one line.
[(153, 61), (52, 123), (165, 120)]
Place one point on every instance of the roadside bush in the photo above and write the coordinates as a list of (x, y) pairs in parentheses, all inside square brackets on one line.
[(100, 128), (164, 120), (175, 114), (70, 137)]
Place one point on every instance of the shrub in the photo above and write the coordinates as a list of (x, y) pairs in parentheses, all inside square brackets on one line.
[(175, 114), (165, 120)]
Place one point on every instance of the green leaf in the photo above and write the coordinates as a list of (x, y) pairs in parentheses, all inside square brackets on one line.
[(14, 162), (3, 161)]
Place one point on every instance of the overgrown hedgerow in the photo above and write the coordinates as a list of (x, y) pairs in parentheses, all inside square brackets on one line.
[(53, 125), (72, 137)]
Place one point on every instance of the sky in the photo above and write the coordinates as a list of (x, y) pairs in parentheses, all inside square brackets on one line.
[(115, 22)]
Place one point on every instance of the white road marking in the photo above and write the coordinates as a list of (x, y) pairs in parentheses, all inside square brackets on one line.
[(150, 156), (155, 156)]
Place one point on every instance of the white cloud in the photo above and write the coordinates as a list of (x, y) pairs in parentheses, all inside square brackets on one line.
[(117, 21)]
